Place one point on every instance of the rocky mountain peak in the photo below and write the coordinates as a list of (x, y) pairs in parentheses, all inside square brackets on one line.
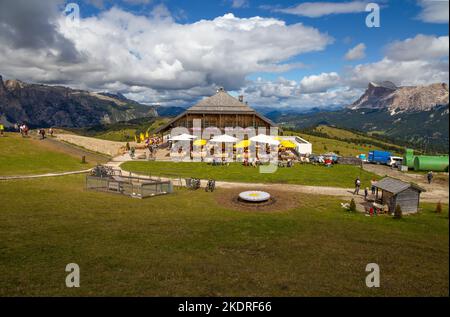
[(386, 95), (383, 85), (14, 84), (2, 85)]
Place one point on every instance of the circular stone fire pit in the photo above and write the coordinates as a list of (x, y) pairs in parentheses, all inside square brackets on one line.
[(254, 196)]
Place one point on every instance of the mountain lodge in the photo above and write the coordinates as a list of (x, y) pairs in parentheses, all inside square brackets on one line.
[(221, 111)]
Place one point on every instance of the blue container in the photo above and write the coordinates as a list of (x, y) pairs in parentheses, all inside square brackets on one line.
[(379, 157)]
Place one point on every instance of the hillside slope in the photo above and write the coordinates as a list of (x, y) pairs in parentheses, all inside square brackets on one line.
[(44, 106)]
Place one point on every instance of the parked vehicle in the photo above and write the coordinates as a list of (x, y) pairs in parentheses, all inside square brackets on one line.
[(379, 157), (362, 157), (395, 161)]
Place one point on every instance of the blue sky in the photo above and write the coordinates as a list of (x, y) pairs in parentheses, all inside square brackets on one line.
[(277, 53)]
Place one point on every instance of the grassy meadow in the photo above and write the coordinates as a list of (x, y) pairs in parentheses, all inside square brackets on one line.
[(30, 156), (303, 174), (188, 244), (333, 141)]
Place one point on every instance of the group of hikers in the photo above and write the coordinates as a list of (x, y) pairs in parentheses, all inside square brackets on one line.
[(42, 133), (373, 188), (152, 144), (24, 130)]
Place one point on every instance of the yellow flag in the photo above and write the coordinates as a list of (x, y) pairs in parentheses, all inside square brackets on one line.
[(135, 139), (146, 135), (142, 137)]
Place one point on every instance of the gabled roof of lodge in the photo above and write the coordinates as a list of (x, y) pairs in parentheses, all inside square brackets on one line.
[(220, 103), (395, 186)]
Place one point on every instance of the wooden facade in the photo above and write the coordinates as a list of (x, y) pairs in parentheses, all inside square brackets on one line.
[(221, 111), (396, 192)]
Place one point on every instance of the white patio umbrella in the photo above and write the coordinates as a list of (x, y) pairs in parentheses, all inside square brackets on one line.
[(183, 137), (262, 138), (224, 138)]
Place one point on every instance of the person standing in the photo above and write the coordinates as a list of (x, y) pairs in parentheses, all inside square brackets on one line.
[(2, 129), (373, 182), (132, 152), (430, 177), (366, 193), (357, 186)]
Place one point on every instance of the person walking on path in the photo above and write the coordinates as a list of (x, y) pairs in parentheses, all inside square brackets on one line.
[(373, 182), (366, 193), (430, 177), (132, 152), (42, 133), (357, 186), (2, 129)]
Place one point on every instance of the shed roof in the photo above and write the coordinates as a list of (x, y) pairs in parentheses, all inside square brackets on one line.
[(395, 186)]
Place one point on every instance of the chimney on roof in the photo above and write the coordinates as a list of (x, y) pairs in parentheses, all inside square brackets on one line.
[(241, 98)]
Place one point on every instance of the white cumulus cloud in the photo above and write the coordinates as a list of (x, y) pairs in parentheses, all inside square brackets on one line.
[(119, 49), (420, 47), (434, 11), (318, 9), (319, 83), (357, 52), (282, 93), (240, 3)]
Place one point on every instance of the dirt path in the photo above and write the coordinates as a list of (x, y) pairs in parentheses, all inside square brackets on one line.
[(57, 145), (438, 190), (110, 148), (7, 178)]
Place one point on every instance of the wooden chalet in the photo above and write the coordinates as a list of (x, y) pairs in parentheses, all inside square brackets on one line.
[(221, 111)]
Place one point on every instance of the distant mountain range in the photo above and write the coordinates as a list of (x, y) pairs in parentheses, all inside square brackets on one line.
[(44, 106), (415, 114), (402, 99)]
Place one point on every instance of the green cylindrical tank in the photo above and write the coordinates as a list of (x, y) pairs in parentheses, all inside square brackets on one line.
[(408, 158), (431, 163)]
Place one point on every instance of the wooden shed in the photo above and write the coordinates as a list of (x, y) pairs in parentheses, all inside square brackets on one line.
[(397, 192)]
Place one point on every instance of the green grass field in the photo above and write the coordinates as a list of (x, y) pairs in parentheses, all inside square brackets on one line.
[(28, 156), (331, 143), (304, 174), (188, 244)]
